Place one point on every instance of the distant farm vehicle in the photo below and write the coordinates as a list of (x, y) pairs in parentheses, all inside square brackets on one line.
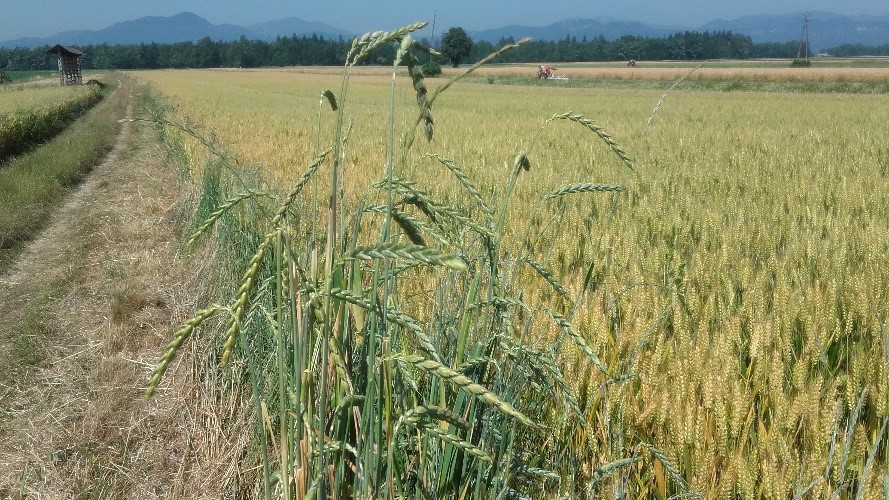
[(549, 73)]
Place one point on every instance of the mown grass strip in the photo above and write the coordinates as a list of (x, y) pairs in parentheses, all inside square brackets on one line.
[(33, 185)]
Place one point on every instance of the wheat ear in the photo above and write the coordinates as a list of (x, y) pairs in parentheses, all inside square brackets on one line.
[(578, 339), (587, 187), (300, 184), (663, 98), (243, 295), (396, 316), (465, 182), (173, 347), (367, 43), (599, 131), (219, 212), (418, 253), (549, 277), (463, 382)]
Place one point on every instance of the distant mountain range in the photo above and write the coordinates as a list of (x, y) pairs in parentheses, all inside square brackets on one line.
[(182, 27), (578, 28), (825, 30)]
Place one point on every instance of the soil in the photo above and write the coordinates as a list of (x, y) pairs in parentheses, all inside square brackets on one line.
[(89, 307)]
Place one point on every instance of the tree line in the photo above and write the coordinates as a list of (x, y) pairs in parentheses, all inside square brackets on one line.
[(320, 51)]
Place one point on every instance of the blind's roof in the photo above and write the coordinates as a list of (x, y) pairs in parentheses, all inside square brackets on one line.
[(63, 50)]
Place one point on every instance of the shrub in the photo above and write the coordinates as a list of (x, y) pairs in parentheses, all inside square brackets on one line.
[(431, 69)]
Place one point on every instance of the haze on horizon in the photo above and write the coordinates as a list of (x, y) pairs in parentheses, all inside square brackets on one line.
[(21, 18)]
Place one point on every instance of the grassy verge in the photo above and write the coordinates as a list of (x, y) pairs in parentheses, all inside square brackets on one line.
[(33, 186)]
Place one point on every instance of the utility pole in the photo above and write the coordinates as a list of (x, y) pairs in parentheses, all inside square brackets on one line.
[(432, 41), (804, 38)]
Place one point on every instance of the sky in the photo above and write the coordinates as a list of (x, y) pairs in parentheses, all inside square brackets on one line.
[(19, 18)]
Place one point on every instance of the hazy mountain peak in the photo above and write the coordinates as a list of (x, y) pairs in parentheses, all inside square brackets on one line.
[(827, 29)]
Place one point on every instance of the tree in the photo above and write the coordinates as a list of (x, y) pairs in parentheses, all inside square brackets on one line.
[(456, 45)]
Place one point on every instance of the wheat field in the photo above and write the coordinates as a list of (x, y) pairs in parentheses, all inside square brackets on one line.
[(18, 98), (741, 281)]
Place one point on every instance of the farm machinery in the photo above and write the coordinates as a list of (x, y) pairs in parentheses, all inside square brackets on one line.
[(549, 73)]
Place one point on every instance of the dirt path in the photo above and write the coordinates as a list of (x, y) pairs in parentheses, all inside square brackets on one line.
[(87, 308)]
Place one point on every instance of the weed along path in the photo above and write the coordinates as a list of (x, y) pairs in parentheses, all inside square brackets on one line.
[(84, 311)]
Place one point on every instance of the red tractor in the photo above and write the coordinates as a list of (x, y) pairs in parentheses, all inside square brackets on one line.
[(549, 73), (546, 72)]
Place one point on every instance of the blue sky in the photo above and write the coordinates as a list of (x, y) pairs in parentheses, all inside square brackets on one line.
[(20, 18)]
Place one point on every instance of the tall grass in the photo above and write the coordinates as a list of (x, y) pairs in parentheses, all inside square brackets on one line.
[(392, 349)]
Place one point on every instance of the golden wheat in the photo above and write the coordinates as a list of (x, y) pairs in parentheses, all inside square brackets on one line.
[(753, 236)]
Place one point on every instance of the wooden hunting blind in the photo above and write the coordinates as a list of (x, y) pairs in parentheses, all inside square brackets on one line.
[(69, 64)]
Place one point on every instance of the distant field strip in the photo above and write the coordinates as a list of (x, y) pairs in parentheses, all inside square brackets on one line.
[(32, 115), (710, 71)]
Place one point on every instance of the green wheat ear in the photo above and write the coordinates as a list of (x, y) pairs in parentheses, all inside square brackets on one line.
[(404, 251), (463, 382), (331, 99), (600, 132), (584, 188), (173, 347)]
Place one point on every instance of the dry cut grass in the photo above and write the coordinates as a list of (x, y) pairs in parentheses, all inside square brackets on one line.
[(85, 311)]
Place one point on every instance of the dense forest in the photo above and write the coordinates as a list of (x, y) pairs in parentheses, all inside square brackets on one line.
[(318, 51), (857, 50)]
